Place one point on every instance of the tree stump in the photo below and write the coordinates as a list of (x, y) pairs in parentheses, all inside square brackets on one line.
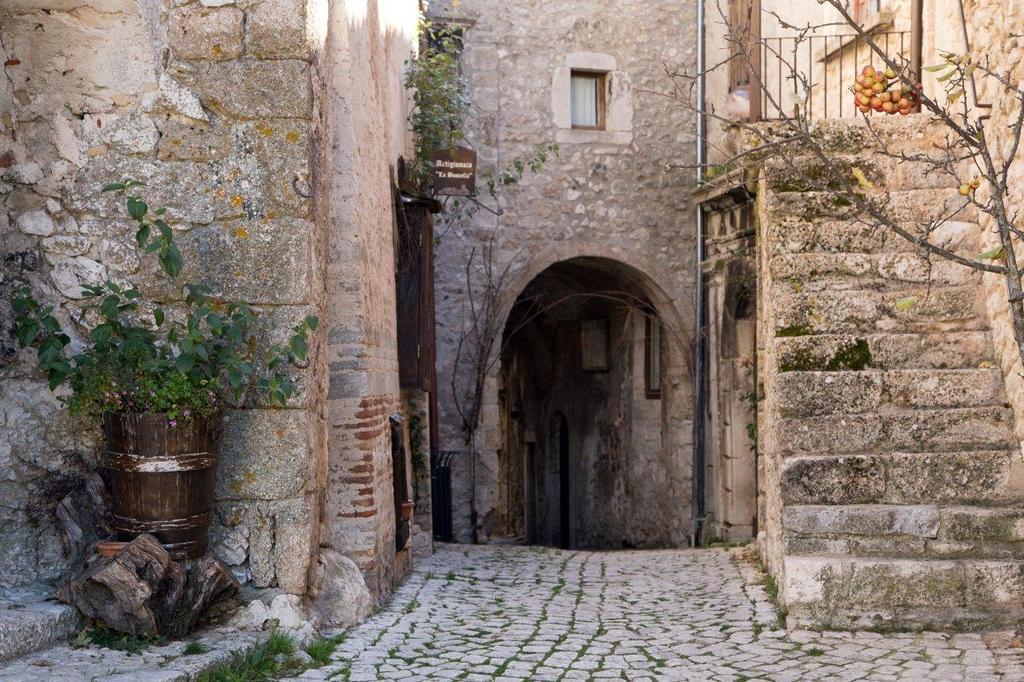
[(142, 591)]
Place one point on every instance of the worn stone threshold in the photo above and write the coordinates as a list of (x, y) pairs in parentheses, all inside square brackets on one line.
[(30, 620), (166, 663)]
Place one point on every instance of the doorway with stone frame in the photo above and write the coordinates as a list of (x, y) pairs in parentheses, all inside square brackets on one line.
[(594, 415)]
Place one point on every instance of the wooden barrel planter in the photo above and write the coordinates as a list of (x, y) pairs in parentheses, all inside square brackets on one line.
[(161, 478)]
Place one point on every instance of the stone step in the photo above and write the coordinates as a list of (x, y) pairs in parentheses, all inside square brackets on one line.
[(904, 531), (814, 393), (812, 272), (808, 173), (30, 620), (830, 235), (824, 592), (942, 430), (916, 310), (954, 350), (982, 478), (902, 206)]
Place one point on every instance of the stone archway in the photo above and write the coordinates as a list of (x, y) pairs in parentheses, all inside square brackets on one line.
[(595, 446)]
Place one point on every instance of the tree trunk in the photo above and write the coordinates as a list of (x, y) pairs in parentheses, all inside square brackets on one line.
[(142, 591)]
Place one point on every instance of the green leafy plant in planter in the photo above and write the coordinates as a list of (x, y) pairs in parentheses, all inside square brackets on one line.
[(153, 362), (157, 381)]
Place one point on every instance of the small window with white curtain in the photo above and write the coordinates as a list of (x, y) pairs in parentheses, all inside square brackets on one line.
[(587, 89)]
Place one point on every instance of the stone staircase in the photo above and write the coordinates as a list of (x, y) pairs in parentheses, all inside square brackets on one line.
[(893, 483)]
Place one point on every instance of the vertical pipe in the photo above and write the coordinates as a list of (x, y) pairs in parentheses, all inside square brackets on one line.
[(754, 34), (825, 62), (697, 502), (916, 40)]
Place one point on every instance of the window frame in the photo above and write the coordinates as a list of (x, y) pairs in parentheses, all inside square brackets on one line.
[(650, 320), (602, 97)]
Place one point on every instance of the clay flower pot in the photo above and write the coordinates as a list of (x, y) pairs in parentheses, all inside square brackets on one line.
[(160, 475), (406, 509), (109, 548)]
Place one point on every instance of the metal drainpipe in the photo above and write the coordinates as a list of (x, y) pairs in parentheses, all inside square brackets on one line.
[(698, 504)]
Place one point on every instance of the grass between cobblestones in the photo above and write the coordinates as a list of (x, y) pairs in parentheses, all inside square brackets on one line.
[(272, 659)]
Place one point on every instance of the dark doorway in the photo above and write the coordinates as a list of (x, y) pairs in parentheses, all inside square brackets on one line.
[(560, 442), (594, 415)]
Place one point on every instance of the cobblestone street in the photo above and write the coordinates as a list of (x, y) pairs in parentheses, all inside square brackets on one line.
[(483, 613)]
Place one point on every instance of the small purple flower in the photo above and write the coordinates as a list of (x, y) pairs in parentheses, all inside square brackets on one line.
[(172, 422)]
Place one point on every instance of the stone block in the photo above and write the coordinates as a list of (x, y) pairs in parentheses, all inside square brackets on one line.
[(70, 274), (845, 479), (831, 593), (258, 262), (944, 388), (976, 524), (950, 477), (277, 30), (952, 350), (808, 394), (193, 140), (888, 546), (830, 434), (848, 236), (814, 271), (264, 455), (188, 190), (135, 134), (294, 524), (915, 268), (203, 33), (278, 88), (949, 429), (825, 312), (36, 222), (270, 155), (919, 521)]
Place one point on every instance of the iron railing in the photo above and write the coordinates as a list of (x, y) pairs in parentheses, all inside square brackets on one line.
[(441, 496), (829, 63)]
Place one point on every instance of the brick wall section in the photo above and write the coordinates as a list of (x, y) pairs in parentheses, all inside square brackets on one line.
[(367, 129), (891, 486)]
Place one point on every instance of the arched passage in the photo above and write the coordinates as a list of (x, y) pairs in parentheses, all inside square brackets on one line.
[(595, 411)]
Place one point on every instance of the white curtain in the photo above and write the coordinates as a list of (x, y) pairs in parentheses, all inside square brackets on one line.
[(584, 100)]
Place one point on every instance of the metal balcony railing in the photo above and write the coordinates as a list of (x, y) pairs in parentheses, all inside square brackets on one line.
[(829, 63)]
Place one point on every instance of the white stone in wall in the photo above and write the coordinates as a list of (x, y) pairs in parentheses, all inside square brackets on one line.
[(62, 246), (70, 274), (175, 98), (36, 222), (120, 255), (132, 135)]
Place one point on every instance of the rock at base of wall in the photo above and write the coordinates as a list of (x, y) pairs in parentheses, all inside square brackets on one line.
[(340, 595)]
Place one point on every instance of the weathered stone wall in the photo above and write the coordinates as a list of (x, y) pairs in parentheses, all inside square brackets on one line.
[(178, 97), (892, 472), (606, 195), (232, 112), (368, 108)]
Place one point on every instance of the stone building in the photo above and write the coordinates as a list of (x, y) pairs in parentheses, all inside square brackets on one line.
[(888, 435), (272, 130), (585, 433)]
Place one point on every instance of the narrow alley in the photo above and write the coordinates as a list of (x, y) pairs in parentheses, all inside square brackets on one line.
[(507, 612)]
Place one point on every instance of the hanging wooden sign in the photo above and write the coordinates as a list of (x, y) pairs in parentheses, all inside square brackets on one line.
[(454, 172)]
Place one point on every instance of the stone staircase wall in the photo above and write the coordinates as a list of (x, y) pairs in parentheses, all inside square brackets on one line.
[(893, 483)]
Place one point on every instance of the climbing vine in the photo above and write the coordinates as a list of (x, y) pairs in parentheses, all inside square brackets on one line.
[(440, 106)]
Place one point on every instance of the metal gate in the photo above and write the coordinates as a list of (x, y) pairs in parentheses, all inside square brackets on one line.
[(441, 495)]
